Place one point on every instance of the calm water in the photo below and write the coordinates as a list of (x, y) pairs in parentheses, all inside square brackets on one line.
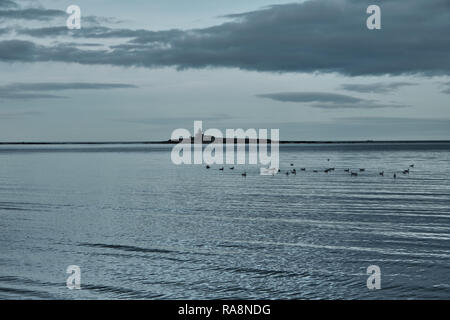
[(140, 227)]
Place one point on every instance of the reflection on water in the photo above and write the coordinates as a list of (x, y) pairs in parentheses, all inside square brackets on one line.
[(141, 227)]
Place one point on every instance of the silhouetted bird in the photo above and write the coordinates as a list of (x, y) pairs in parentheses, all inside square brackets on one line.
[(347, 170), (411, 166), (294, 171), (232, 168), (315, 171), (207, 167), (221, 169), (292, 164), (354, 174), (244, 174), (406, 171), (303, 169), (382, 173), (287, 173), (362, 169), (395, 176)]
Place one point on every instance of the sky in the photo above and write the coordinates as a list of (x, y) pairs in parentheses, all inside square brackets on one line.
[(137, 70)]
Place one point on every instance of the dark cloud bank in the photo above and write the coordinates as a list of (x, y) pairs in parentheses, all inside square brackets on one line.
[(31, 14), (314, 36), (378, 87), (7, 4), (325, 100), (34, 90)]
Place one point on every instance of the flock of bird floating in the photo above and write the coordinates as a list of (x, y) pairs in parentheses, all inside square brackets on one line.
[(351, 172)]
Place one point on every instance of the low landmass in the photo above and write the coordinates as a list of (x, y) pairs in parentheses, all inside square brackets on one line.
[(235, 141)]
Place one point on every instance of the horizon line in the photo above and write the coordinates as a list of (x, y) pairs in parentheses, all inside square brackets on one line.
[(173, 142)]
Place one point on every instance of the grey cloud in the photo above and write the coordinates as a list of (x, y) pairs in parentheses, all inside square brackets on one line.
[(329, 101), (51, 32), (31, 14), (57, 86), (8, 4), (28, 96), (102, 20), (85, 32), (447, 89), (34, 90), (10, 10), (360, 105), (15, 115), (310, 97), (27, 51), (378, 87), (82, 44), (17, 50), (312, 36)]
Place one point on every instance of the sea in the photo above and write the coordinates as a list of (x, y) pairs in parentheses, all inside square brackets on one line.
[(140, 227)]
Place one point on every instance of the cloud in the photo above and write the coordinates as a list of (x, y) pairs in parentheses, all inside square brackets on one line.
[(447, 89), (325, 100), (10, 10), (310, 97), (28, 96), (313, 36), (361, 105), (85, 32), (27, 51), (4, 30), (378, 87), (58, 86), (15, 115), (8, 4), (34, 90), (84, 44), (31, 14)]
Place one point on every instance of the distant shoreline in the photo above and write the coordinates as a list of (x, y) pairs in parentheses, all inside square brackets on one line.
[(172, 142)]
